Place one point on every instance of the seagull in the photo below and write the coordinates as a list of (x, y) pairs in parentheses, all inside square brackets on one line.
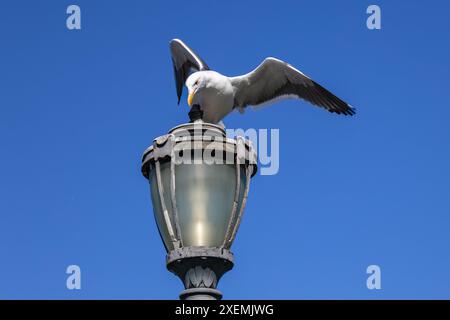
[(212, 96)]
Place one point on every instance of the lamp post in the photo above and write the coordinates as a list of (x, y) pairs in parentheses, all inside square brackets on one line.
[(199, 182)]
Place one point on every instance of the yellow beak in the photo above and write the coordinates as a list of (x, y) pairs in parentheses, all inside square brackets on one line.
[(190, 98)]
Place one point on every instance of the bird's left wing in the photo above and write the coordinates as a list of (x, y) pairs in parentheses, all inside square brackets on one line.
[(274, 79), (185, 62)]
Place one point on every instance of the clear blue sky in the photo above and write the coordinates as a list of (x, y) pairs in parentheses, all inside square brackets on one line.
[(77, 108)]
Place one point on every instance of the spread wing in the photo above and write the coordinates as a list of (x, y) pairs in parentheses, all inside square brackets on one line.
[(185, 62), (274, 79)]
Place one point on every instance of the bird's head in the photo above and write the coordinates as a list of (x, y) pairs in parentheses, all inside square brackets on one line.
[(195, 83)]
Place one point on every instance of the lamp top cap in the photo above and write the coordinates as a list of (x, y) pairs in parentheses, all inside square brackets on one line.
[(182, 136), (212, 129)]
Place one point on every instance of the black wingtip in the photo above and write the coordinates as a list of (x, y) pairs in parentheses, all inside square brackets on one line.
[(350, 111)]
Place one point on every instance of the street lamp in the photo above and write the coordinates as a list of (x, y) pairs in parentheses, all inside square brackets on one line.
[(199, 182)]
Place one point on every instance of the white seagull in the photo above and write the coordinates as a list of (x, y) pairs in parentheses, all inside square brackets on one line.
[(214, 95)]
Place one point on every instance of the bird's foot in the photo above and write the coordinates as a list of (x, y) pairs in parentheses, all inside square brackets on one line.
[(196, 113)]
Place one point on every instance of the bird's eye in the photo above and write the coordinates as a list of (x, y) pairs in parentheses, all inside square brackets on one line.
[(196, 83)]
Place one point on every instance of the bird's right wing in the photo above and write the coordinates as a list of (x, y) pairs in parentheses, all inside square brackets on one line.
[(185, 62)]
